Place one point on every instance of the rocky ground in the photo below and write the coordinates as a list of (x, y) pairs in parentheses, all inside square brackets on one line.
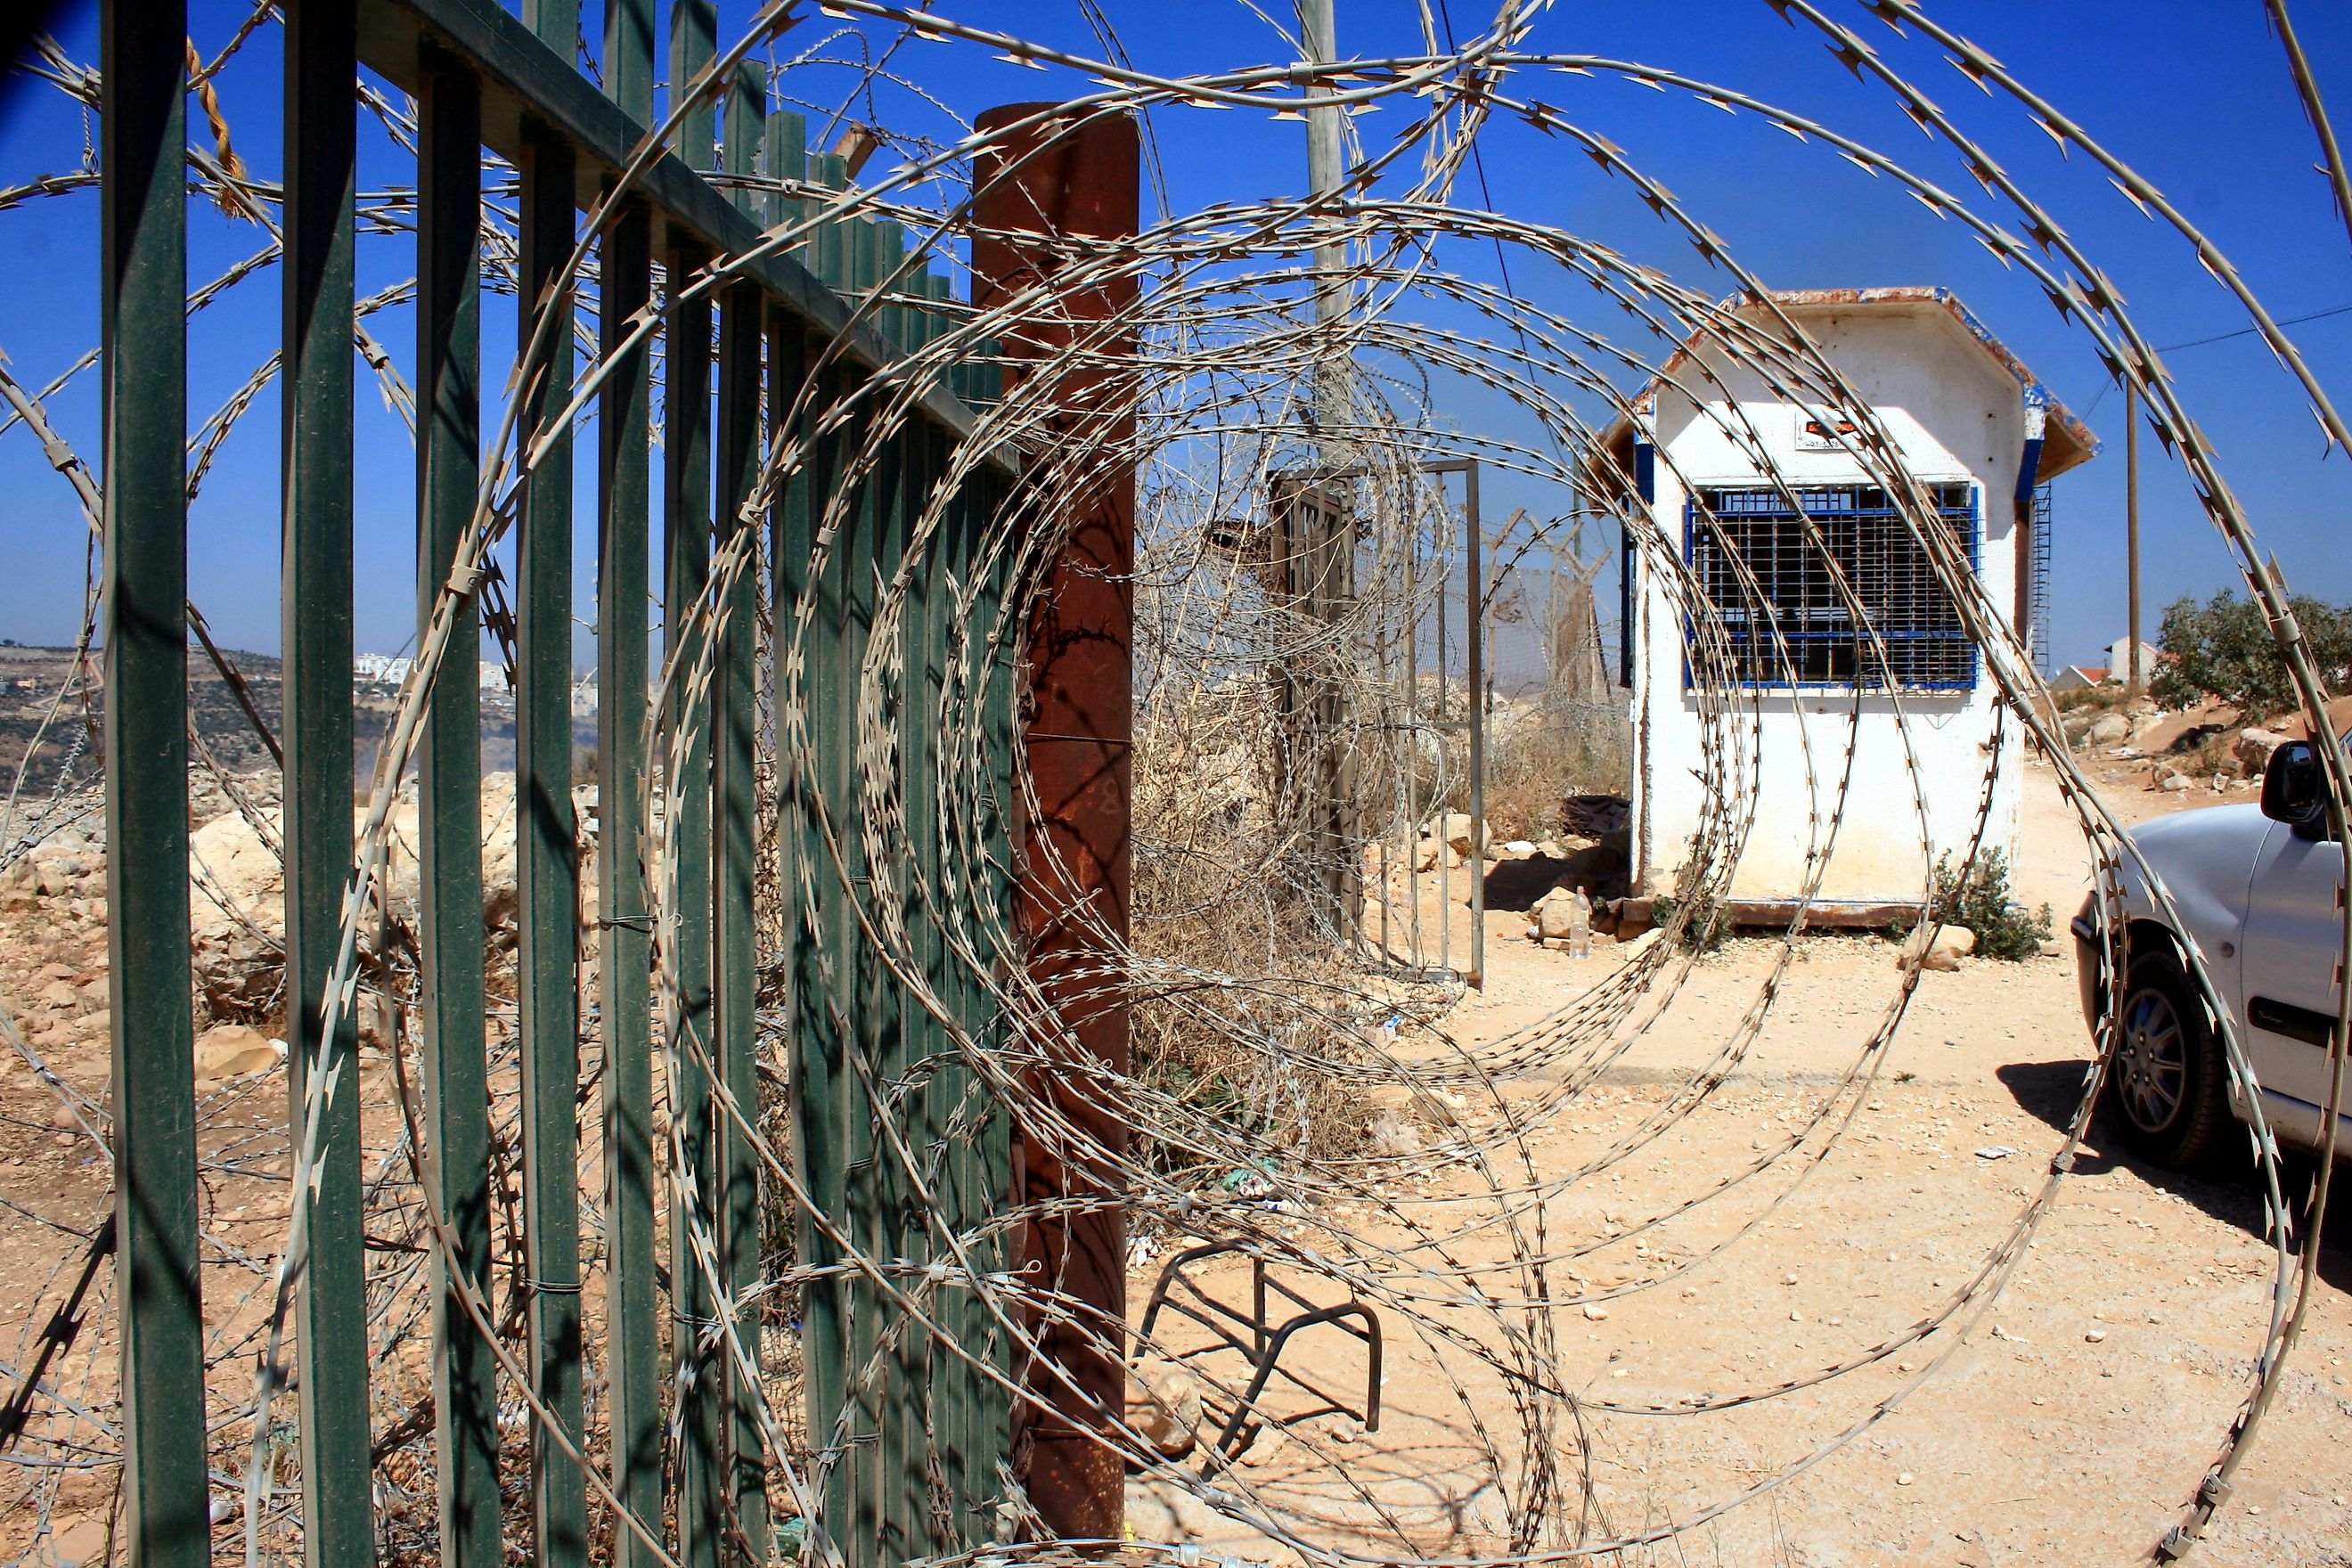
[(55, 1073)]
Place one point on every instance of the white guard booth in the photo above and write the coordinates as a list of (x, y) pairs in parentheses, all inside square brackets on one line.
[(1806, 726)]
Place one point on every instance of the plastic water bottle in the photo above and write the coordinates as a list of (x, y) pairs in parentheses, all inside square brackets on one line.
[(1579, 926)]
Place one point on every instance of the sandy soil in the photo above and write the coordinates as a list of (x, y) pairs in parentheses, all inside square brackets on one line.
[(2070, 1423)]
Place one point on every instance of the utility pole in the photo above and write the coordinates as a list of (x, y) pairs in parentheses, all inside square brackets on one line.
[(1318, 36), (1319, 531), (2131, 534)]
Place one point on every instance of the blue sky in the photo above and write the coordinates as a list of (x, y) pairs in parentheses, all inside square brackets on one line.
[(2196, 96)]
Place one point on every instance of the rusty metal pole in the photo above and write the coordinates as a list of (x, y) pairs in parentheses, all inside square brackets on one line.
[(1035, 186)]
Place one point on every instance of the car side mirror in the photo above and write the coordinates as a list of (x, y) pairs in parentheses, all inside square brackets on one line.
[(2292, 790)]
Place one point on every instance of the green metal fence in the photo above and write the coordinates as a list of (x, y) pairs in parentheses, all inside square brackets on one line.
[(896, 1152)]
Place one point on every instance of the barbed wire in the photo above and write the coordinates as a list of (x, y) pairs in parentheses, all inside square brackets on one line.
[(1267, 1039)]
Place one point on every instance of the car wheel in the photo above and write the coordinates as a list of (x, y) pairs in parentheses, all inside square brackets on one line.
[(2167, 1088)]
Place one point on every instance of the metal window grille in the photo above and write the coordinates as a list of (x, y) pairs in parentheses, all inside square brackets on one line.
[(1886, 565)]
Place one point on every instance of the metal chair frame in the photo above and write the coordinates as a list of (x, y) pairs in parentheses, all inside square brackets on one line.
[(1264, 1345)]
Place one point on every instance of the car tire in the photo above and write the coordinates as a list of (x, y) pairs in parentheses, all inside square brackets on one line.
[(2167, 1091)]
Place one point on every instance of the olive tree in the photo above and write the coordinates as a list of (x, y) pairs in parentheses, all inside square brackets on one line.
[(2223, 650)]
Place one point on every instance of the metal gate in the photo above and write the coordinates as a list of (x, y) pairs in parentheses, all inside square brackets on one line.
[(899, 1151)]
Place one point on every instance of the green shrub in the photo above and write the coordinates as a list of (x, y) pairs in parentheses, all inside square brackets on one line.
[(1710, 922), (1977, 897)]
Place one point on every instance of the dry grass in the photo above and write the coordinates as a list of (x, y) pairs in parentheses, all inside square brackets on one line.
[(1538, 757), (2092, 699), (1239, 999)]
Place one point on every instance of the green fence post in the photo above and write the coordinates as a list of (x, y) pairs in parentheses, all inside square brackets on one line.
[(547, 876), (693, 44), (996, 670), (745, 127), (331, 1335), (889, 251), (828, 250), (814, 1073), (789, 524), (450, 771), (735, 815), (629, 58), (142, 304), (687, 839), (874, 1025), (624, 943), (786, 157), (822, 1075), (951, 1386), (931, 1376)]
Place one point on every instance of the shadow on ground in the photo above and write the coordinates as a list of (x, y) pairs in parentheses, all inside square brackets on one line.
[(1516, 885), (2226, 1186)]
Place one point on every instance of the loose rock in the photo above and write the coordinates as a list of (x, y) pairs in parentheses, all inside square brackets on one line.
[(2254, 749), (226, 1050), (1938, 948), (1393, 1137), (1452, 830), (1169, 1415)]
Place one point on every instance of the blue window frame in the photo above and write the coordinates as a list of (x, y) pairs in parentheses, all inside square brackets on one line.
[(1885, 566)]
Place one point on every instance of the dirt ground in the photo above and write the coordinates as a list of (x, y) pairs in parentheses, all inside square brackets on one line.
[(2070, 1423)]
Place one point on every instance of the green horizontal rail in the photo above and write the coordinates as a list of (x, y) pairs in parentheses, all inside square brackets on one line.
[(530, 93)]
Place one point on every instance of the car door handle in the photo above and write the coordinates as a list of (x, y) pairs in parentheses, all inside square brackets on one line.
[(2296, 1023)]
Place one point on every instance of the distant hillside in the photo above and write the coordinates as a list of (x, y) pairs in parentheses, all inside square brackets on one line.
[(31, 679), (31, 682)]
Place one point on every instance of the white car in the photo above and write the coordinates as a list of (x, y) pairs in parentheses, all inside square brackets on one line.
[(2261, 890)]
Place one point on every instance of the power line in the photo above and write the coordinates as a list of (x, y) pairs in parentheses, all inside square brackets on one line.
[(2250, 331), (2223, 338)]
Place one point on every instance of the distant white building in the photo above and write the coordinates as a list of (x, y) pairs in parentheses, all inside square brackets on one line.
[(2119, 661), (378, 669), (1979, 433)]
